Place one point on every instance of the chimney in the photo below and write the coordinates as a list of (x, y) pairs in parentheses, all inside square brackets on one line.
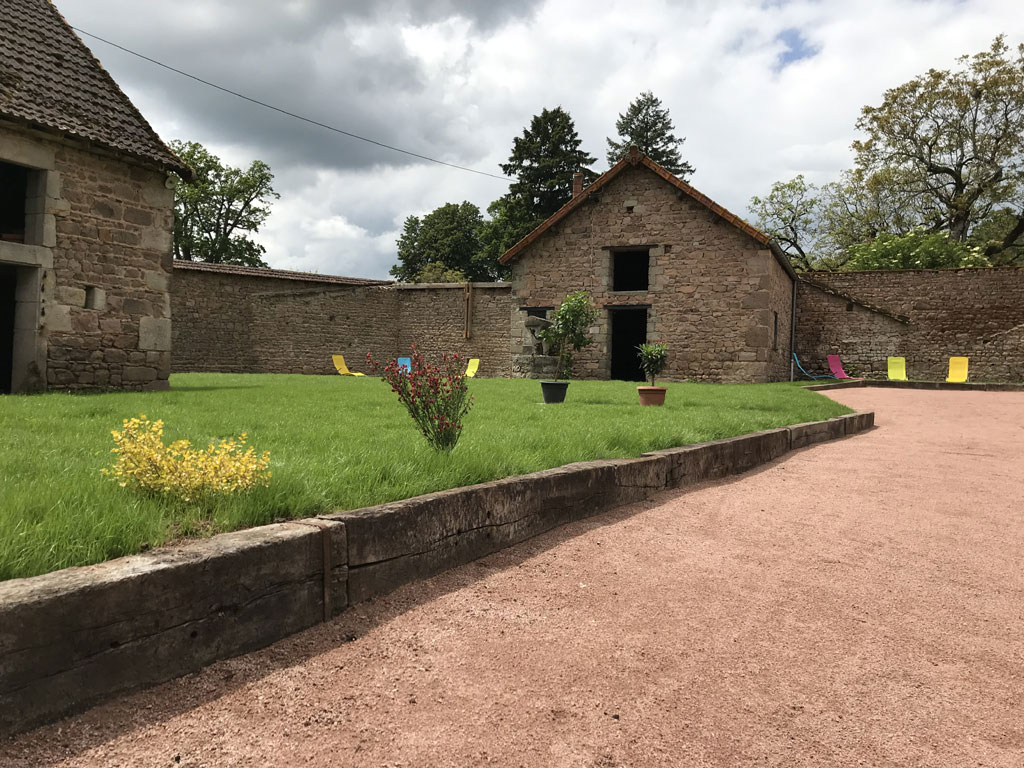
[(634, 154), (577, 184)]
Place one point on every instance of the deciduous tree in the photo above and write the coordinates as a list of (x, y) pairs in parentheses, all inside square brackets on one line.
[(447, 238), (216, 212), (953, 138)]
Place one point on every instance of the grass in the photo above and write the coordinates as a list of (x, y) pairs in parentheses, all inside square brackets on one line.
[(335, 443)]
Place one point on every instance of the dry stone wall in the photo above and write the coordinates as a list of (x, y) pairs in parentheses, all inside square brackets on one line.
[(977, 313), (713, 290)]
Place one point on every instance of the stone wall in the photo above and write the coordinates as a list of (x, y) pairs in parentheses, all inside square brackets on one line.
[(239, 320), (926, 316), (434, 318), (93, 300), (712, 293), (780, 331)]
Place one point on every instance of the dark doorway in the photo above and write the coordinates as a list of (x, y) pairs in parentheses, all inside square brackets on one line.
[(629, 330), (8, 283)]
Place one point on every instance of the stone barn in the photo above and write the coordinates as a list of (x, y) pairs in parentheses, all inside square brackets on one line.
[(86, 210), (663, 263)]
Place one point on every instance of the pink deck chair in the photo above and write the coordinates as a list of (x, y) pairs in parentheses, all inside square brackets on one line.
[(836, 366)]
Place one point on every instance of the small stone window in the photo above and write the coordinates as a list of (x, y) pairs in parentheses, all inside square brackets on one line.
[(775, 330), (95, 298), (13, 194), (631, 269), (537, 311)]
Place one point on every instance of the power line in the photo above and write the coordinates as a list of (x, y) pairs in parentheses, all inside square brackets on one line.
[(285, 111)]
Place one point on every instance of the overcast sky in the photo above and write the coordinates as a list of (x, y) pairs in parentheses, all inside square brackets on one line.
[(761, 91)]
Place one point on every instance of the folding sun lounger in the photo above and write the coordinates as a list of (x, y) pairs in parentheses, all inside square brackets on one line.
[(836, 366), (957, 370), (339, 363), (808, 375), (474, 363), (897, 369), (405, 364)]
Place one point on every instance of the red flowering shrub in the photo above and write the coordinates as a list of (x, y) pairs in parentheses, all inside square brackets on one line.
[(436, 396)]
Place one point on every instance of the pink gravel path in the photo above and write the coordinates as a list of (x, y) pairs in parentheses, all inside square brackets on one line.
[(855, 603)]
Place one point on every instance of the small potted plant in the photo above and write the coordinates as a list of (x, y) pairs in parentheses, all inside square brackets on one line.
[(652, 359), (569, 333)]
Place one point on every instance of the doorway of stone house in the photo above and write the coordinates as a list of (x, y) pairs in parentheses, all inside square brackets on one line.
[(629, 330), (8, 284)]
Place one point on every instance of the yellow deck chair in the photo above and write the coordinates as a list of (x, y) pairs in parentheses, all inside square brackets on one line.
[(339, 363), (897, 369), (474, 363), (957, 370)]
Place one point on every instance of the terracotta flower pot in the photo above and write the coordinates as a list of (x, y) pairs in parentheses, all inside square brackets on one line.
[(651, 395), (554, 391)]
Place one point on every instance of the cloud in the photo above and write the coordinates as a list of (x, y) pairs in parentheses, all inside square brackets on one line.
[(457, 80)]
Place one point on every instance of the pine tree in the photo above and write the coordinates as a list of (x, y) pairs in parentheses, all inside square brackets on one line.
[(543, 161), (648, 126)]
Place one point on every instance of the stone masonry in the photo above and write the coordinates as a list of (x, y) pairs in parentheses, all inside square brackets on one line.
[(716, 296), (236, 319), (926, 316), (93, 303)]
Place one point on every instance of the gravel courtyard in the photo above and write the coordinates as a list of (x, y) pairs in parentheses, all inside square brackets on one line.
[(855, 603)]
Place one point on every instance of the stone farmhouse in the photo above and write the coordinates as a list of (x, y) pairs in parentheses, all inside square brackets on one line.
[(662, 262), (85, 217)]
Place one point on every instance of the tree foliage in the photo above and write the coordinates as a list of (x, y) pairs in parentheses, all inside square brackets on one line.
[(569, 331), (443, 244), (216, 212), (915, 250), (956, 138), (793, 214), (543, 162), (436, 272), (1000, 236), (943, 153), (647, 125), (509, 222)]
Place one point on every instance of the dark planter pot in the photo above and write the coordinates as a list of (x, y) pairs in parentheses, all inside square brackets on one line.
[(554, 391), (651, 395)]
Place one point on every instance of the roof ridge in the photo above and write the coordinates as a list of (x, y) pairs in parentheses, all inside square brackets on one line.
[(614, 171)]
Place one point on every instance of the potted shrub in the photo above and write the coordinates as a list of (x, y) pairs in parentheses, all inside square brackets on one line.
[(652, 359), (568, 333)]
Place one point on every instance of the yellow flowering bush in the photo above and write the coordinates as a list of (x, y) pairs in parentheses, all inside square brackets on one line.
[(178, 469)]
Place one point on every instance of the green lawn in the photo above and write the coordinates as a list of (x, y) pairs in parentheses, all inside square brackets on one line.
[(335, 443)]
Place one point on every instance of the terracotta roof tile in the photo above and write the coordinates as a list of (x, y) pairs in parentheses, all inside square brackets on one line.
[(610, 174), (50, 79), (281, 274)]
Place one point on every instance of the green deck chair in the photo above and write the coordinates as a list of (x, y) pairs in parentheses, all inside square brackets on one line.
[(897, 369)]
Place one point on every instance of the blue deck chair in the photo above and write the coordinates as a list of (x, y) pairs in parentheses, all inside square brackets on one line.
[(808, 375), (405, 364)]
